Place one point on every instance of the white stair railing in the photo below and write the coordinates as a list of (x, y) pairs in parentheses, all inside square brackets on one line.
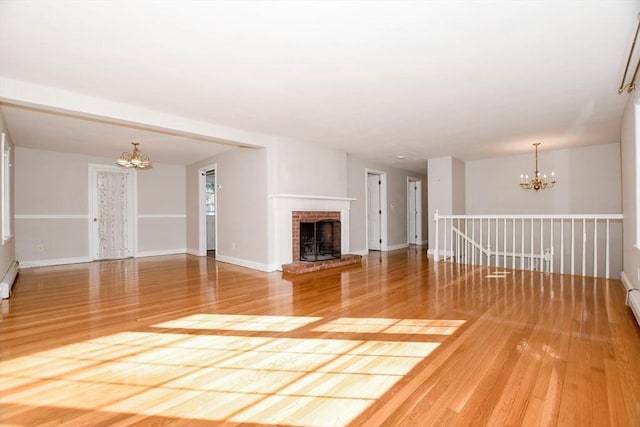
[(572, 244)]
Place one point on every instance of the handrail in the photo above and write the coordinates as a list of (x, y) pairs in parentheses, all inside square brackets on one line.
[(534, 216), (471, 241)]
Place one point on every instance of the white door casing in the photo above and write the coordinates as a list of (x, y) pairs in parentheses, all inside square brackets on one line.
[(112, 226)]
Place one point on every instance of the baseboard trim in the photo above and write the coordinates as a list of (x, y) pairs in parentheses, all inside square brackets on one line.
[(246, 263), (161, 252), (432, 252), (193, 252), (396, 247), (625, 281), (55, 261), (364, 252)]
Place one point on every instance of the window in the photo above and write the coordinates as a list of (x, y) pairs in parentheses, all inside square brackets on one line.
[(5, 187), (210, 203)]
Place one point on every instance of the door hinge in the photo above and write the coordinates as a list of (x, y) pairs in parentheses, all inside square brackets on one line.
[(380, 240), (380, 212), (379, 182)]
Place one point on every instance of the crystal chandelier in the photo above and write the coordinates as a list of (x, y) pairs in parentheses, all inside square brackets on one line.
[(537, 182), (135, 159)]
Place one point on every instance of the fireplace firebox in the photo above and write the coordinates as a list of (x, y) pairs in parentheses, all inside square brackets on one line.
[(320, 240)]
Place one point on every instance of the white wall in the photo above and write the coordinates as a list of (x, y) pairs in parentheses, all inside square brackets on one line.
[(589, 182), (51, 207), (7, 249), (303, 168), (241, 204), (630, 145), (441, 190), (396, 203)]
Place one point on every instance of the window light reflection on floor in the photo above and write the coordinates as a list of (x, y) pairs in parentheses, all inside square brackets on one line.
[(268, 380)]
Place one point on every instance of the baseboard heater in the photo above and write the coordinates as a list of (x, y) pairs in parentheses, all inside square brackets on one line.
[(633, 301), (7, 280)]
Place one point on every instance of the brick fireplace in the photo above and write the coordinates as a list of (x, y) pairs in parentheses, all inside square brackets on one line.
[(311, 217), (288, 210)]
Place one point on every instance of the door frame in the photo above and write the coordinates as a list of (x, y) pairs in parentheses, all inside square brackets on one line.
[(202, 217), (383, 205), (132, 211), (418, 183)]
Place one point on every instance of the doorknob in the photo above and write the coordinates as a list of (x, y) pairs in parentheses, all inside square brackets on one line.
[(95, 219)]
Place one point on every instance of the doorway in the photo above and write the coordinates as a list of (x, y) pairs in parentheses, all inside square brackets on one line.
[(414, 211), (210, 212), (207, 211), (111, 205), (376, 210)]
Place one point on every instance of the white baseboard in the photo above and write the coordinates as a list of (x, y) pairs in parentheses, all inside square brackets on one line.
[(625, 281), (193, 252), (442, 253), (396, 247), (246, 263), (56, 261), (161, 252), (364, 252)]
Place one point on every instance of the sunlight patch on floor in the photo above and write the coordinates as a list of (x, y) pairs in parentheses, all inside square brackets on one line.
[(234, 322), (267, 380), (391, 326)]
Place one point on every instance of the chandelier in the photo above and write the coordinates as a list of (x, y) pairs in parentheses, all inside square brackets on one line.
[(135, 159), (537, 182)]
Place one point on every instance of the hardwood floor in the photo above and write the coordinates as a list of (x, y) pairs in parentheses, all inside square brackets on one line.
[(183, 340)]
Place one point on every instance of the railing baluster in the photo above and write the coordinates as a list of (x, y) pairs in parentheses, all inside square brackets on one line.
[(595, 248), (551, 245), (504, 243), (473, 249), (562, 246), (573, 245), (444, 255), (453, 254), (541, 244), (584, 246), (531, 248), (481, 247), (436, 219), (607, 254), (496, 250), (513, 243), (522, 244)]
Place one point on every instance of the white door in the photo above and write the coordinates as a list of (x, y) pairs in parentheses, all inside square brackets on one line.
[(374, 211), (414, 211), (412, 214), (112, 223)]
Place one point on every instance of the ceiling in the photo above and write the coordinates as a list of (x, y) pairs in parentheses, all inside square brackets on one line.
[(378, 79)]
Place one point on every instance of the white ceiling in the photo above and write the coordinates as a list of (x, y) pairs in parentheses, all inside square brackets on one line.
[(374, 78)]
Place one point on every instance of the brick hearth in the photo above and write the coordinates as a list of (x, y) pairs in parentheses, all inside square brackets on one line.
[(300, 267)]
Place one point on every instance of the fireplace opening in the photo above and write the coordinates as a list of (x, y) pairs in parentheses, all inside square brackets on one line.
[(320, 240)]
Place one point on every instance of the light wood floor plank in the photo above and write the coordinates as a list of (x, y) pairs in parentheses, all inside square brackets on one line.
[(399, 341)]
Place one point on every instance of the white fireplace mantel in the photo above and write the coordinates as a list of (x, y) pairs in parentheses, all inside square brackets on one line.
[(282, 208)]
